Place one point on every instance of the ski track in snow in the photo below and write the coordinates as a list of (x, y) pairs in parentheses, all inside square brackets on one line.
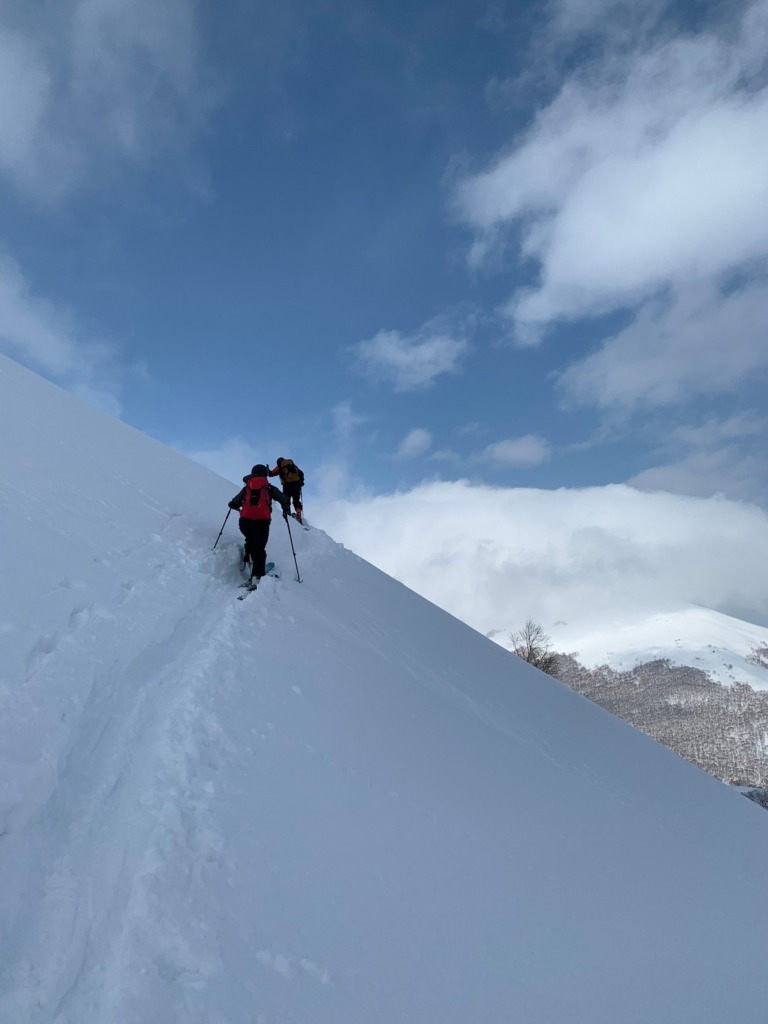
[(137, 741)]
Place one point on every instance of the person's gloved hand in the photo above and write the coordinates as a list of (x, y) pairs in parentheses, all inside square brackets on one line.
[(285, 513), (233, 505)]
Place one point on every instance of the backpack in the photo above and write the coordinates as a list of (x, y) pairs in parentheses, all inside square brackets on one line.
[(258, 501), (289, 472)]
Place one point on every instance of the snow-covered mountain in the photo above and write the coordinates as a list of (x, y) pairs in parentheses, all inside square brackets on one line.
[(611, 572), (330, 802), (718, 644)]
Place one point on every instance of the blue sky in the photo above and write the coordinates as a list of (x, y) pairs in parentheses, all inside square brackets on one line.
[(399, 241)]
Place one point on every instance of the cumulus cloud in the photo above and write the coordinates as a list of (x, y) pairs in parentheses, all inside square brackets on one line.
[(231, 458), (614, 551), (726, 470), (693, 342), (411, 362), (326, 453), (625, 21), (714, 431), (93, 81), (24, 94), (639, 192), (48, 338), (448, 455), (85, 86), (714, 457), (334, 475), (649, 169), (519, 451), (415, 443), (345, 422)]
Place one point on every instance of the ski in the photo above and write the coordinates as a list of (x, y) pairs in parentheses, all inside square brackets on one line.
[(252, 585)]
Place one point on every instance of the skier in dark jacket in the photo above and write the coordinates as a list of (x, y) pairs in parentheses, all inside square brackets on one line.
[(292, 479), (254, 502)]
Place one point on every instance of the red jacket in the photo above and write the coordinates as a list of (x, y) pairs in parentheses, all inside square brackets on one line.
[(254, 501)]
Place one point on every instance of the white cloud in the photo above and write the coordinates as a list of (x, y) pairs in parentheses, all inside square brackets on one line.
[(714, 431), (694, 342), (326, 454), (34, 328), (92, 81), (448, 455), (415, 443), (727, 470), (648, 169), (345, 422), (519, 451), (709, 458), (494, 17), (24, 94), (643, 187), (411, 362), (84, 86), (232, 458), (494, 556), (141, 58), (617, 18), (333, 477), (638, 221), (47, 338)]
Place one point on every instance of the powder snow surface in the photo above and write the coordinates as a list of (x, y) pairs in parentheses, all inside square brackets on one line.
[(330, 803)]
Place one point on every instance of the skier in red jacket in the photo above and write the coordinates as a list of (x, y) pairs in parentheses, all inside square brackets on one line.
[(254, 502)]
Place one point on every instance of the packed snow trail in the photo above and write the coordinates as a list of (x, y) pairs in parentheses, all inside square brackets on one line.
[(115, 801), (329, 804), (108, 796)]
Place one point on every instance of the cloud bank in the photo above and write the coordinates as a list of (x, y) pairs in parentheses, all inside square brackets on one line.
[(493, 556)]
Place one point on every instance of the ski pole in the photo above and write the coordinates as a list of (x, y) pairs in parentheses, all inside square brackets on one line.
[(226, 517), (293, 549)]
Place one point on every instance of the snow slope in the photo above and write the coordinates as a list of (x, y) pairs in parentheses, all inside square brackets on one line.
[(718, 644), (330, 803)]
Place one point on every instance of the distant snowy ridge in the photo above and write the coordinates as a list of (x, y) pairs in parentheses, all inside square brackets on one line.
[(665, 676), (720, 645)]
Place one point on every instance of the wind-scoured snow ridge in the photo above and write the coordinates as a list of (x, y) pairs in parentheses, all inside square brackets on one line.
[(330, 803)]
